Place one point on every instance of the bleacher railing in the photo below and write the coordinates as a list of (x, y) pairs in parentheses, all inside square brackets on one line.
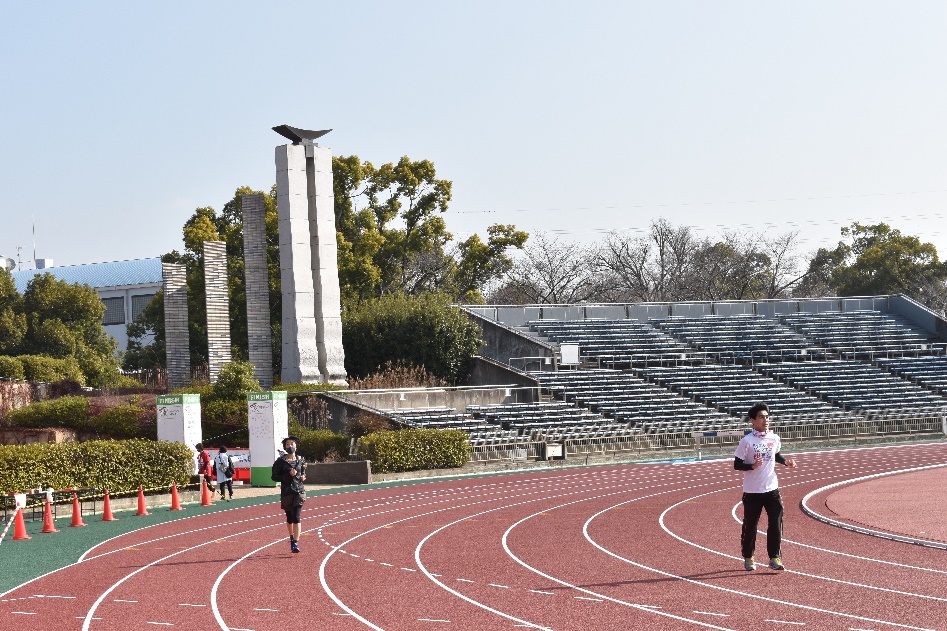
[(851, 429)]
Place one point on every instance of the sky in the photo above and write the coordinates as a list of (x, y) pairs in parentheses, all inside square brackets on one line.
[(573, 119)]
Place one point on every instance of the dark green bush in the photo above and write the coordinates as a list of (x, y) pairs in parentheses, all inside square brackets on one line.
[(315, 444), (235, 381), (417, 330), (49, 369), (71, 412), (122, 421), (414, 449), (11, 368), (119, 466)]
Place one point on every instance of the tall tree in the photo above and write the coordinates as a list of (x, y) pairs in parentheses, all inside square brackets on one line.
[(12, 318), (877, 259), (65, 320)]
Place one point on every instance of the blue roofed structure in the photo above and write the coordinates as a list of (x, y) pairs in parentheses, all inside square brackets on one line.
[(125, 287), (98, 275)]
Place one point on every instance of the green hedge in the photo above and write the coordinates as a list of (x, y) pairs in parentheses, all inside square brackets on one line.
[(50, 369), (11, 368), (119, 466), (414, 449), (71, 412), (315, 444)]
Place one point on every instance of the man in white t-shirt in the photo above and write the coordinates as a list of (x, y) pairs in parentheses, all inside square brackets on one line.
[(757, 455)]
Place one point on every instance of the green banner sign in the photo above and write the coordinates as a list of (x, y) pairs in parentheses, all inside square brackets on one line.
[(178, 399), (276, 395)]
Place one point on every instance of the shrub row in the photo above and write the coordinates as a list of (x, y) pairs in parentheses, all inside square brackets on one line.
[(320, 445), (414, 449), (73, 412), (119, 466), (40, 368)]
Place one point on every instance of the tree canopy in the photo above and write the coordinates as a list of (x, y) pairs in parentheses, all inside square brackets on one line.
[(58, 320), (877, 259)]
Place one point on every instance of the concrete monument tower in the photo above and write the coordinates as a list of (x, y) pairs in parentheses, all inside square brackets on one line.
[(309, 270)]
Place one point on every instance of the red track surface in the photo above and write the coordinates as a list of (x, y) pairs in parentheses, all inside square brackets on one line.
[(622, 547)]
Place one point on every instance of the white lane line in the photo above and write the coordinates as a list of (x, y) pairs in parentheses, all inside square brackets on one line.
[(167, 624), (465, 580), (661, 522), (431, 620), (539, 591), (120, 600), (264, 609), (785, 622), (236, 629), (190, 605), (710, 613), (920, 568), (48, 596), (500, 586), (409, 569), (25, 613), (595, 600), (868, 531)]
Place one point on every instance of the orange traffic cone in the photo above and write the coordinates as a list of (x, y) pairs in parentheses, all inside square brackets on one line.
[(48, 523), (175, 502), (107, 510), (141, 503), (76, 512), (19, 528), (205, 495)]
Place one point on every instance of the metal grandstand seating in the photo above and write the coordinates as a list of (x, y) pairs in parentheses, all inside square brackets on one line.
[(739, 338), (864, 334), (734, 389), (856, 385), (930, 371), (614, 343), (631, 401)]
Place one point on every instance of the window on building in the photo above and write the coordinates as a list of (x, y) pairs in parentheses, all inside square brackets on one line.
[(139, 303), (114, 310)]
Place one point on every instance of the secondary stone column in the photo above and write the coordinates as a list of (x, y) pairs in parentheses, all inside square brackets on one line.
[(256, 279), (217, 306), (176, 337)]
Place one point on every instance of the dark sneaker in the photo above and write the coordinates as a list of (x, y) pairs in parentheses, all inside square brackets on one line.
[(776, 564), (749, 564), (294, 547)]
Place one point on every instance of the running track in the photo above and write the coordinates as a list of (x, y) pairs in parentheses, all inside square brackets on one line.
[(620, 547)]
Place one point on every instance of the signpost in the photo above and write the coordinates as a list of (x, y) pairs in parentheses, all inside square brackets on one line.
[(269, 425)]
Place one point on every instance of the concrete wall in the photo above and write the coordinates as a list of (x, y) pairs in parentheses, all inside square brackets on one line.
[(217, 307), (504, 344), (175, 325), (14, 394), (920, 315), (487, 372)]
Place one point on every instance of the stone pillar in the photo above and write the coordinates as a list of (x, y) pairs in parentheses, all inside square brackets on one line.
[(256, 281), (218, 306), (312, 330), (176, 338), (325, 265)]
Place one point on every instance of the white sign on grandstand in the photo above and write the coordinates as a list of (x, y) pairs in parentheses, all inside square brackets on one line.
[(569, 354)]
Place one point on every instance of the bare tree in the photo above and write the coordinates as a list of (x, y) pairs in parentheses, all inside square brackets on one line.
[(649, 268), (550, 271)]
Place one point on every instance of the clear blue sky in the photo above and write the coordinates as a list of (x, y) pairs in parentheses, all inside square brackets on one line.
[(572, 118)]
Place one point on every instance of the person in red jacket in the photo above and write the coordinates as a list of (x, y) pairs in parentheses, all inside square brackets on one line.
[(203, 465)]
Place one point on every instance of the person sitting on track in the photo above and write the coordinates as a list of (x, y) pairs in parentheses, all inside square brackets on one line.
[(757, 455), (290, 471)]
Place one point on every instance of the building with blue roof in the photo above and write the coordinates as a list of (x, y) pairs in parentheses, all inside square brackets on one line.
[(125, 287)]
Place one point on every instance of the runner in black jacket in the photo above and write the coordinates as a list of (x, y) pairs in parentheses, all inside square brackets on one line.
[(290, 471)]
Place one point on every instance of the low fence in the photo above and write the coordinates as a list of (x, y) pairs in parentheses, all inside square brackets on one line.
[(853, 429)]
